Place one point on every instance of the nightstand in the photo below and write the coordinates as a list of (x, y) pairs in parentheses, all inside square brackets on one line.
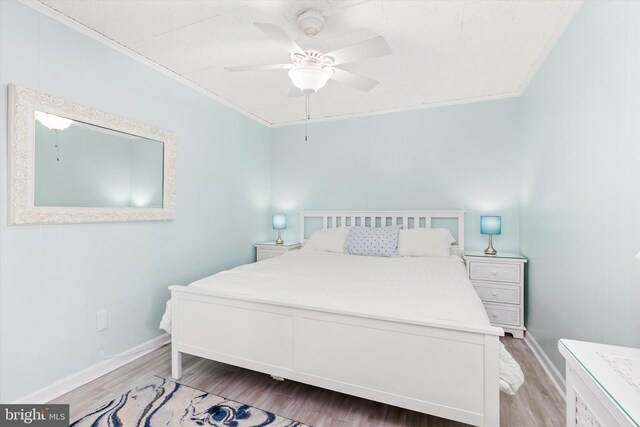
[(271, 250), (499, 282)]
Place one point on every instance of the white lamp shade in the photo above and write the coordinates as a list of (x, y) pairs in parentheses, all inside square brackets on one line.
[(309, 79), (53, 122), (637, 255)]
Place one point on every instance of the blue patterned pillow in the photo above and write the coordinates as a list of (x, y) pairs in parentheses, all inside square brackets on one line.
[(368, 241)]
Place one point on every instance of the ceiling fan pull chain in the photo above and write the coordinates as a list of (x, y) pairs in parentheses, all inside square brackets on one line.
[(306, 119), (57, 145)]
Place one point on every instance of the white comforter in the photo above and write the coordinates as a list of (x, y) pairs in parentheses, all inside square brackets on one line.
[(415, 289)]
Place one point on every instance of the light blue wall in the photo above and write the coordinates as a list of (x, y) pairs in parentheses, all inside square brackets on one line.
[(462, 157), (580, 224), (53, 279)]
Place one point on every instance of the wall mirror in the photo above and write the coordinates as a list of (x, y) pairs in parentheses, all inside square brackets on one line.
[(72, 164)]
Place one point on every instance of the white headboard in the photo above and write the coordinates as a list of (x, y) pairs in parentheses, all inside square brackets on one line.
[(408, 219)]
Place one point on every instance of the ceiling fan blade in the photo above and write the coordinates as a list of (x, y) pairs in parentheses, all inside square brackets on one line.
[(371, 48), (348, 78), (295, 92), (259, 67), (278, 35)]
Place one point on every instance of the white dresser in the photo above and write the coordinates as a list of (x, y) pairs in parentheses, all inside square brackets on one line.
[(271, 250), (603, 384), (499, 282)]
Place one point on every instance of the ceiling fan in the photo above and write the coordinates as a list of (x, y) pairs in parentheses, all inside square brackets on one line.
[(312, 67)]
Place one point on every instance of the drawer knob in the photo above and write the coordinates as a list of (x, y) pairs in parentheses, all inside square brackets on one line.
[(494, 293), (494, 272), (494, 314)]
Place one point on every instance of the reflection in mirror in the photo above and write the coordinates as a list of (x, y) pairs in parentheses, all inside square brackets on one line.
[(83, 165)]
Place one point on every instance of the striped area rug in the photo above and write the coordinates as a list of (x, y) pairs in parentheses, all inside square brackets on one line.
[(162, 402)]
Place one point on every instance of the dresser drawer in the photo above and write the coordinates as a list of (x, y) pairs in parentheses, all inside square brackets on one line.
[(494, 272), (503, 314), (509, 294)]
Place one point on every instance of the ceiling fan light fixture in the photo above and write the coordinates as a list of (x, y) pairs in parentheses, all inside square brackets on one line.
[(53, 122), (309, 79)]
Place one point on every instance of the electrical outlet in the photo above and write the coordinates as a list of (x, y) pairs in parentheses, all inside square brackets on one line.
[(102, 320)]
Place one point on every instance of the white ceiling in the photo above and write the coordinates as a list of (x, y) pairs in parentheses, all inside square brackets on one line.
[(444, 52)]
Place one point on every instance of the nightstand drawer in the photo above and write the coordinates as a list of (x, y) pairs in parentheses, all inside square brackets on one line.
[(494, 272), (509, 294), (262, 254), (271, 250), (503, 314)]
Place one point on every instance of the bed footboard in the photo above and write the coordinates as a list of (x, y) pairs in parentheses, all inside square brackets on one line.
[(440, 370)]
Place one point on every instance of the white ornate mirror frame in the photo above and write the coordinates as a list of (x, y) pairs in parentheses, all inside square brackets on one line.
[(21, 163)]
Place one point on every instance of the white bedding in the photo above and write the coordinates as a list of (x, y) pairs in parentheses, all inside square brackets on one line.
[(413, 289)]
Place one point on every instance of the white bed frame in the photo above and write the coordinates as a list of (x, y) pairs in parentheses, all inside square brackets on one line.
[(435, 368)]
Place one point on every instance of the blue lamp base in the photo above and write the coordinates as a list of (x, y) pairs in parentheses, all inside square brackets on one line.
[(490, 250)]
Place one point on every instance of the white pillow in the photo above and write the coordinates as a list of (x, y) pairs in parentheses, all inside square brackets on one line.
[(328, 239), (435, 242)]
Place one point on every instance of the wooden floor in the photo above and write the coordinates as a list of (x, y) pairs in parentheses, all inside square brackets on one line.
[(537, 403)]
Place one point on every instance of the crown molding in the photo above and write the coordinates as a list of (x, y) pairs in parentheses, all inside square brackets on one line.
[(402, 109)]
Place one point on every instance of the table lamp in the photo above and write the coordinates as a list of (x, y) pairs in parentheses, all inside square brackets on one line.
[(279, 222), (490, 225)]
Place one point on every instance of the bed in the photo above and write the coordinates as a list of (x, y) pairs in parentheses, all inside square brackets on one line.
[(409, 332)]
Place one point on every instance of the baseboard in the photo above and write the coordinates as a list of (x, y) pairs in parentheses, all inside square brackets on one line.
[(554, 375), (86, 375)]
